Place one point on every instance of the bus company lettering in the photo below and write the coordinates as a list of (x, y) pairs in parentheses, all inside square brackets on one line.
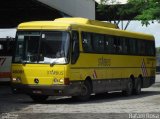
[(52, 72), (104, 62), (18, 71)]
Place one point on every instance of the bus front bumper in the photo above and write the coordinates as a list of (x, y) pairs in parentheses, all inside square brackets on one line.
[(50, 90)]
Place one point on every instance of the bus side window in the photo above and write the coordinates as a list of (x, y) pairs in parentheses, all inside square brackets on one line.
[(75, 47), (1, 47), (150, 46), (98, 43), (3, 50), (109, 44), (86, 42), (117, 45), (125, 45), (141, 48), (132, 46)]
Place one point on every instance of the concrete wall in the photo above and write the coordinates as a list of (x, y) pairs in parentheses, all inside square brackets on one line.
[(75, 8)]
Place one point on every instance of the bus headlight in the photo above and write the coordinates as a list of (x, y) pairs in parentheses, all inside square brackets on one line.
[(61, 81), (18, 80)]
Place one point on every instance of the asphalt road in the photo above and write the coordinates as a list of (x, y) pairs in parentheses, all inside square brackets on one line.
[(109, 106)]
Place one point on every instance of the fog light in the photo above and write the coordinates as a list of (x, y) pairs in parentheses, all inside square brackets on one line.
[(55, 80)]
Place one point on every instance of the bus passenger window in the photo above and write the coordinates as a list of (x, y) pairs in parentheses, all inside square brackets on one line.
[(98, 43), (86, 42), (109, 44), (150, 48), (106, 45), (1, 47), (132, 46), (141, 47), (125, 45), (117, 45)]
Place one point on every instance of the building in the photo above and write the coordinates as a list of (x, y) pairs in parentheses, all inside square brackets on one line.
[(14, 12)]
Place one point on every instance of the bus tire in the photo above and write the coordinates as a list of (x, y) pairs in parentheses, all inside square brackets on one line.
[(86, 91), (39, 98), (138, 86), (129, 88)]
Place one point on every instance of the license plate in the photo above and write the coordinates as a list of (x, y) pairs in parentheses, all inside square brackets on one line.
[(37, 92)]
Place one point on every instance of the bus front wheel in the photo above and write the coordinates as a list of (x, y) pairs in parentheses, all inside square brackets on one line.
[(85, 91), (39, 98)]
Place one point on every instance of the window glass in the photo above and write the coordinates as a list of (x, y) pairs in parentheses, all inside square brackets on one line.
[(125, 47), (49, 47), (1, 47), (150, 48), (132, 46), (6, 47), (152, 51), (118, 42), (141, 47), (86, 42), (109, 44), (98, 43)]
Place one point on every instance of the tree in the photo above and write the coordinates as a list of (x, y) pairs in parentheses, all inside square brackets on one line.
[(104, 9), (148, 10), (144, 10), (114, 11)]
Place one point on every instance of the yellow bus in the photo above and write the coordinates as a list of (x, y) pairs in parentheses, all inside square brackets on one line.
[(79, 57)]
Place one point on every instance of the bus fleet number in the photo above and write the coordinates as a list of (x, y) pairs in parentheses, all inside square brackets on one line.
[(2, 60)]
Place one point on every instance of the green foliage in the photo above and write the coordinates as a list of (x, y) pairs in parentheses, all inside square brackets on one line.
[(147, 10), (144, 10)]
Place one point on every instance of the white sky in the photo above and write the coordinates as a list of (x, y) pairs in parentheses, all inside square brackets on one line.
[(119, 1), (153, 29), (7, 32)]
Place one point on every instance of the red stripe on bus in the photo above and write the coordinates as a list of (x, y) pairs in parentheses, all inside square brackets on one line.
[(5, 74)]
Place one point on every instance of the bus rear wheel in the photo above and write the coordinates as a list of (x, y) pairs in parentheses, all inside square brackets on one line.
[(137, 89), (39, 98), (129, 88), (85, 92)]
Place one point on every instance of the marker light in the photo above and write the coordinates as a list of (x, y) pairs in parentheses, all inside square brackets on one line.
[(18, 80)]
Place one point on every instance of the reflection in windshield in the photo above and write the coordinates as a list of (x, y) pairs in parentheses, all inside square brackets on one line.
[(44, 47)]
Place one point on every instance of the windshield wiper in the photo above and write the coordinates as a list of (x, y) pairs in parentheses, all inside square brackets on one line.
[(24, 62), (53, 63)]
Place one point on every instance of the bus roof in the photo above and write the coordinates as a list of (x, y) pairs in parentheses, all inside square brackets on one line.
[(91, 25), (65, 22), (86, 21)]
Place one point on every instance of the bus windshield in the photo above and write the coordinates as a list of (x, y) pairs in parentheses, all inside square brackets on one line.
[(48, 47)]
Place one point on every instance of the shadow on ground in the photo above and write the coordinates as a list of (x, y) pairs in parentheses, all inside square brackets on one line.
[(110, 97), (13, 102)]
